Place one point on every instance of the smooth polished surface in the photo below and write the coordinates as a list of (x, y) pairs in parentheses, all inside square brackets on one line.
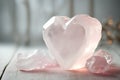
[(72, 41)]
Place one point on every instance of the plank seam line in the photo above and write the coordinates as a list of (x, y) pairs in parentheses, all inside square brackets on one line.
[(8, 63), (3, 71)]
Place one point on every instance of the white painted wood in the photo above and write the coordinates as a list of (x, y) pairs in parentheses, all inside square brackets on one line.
[(12, 73), (6, 53)]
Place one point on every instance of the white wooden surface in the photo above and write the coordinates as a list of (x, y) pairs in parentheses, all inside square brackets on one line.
[(11, 72), (6, 53)]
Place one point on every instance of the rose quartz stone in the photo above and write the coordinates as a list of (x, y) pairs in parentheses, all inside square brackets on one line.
[(104, 54), (97, 64), (100, 62), (35, 61), (72, 41)]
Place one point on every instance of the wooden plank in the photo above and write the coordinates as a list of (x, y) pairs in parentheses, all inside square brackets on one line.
[(6, 52), (12, 73)]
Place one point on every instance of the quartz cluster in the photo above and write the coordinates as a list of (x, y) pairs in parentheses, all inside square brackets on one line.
[(100, 62), (72, 42), (37, 60)]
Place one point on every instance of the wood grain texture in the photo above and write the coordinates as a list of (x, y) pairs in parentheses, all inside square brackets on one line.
[(12, 73), (6, 53)]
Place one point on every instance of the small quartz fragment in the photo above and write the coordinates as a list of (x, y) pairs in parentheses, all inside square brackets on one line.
[(99, 62), (38, 60), (105, 54)]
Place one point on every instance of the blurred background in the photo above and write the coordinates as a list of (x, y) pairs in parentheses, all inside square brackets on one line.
[(21, 21)]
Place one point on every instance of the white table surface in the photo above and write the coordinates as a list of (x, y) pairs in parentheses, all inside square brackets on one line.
[(12, 73)]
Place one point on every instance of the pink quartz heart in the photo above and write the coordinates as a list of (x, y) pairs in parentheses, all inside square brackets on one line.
[(72, 41)]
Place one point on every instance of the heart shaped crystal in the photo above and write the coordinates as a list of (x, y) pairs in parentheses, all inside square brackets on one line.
[(72, 41)]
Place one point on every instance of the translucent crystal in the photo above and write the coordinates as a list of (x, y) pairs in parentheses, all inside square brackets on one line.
[(72, 41), (37, 60), (100, 62), (105, 54)]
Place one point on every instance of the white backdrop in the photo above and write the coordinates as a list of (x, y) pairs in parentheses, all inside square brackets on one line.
[(22, 20)]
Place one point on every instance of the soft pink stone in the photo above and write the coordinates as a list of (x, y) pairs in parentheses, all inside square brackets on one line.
[(97, 64), (72, 41), (100, 62), (38, 60), (105, 54)]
